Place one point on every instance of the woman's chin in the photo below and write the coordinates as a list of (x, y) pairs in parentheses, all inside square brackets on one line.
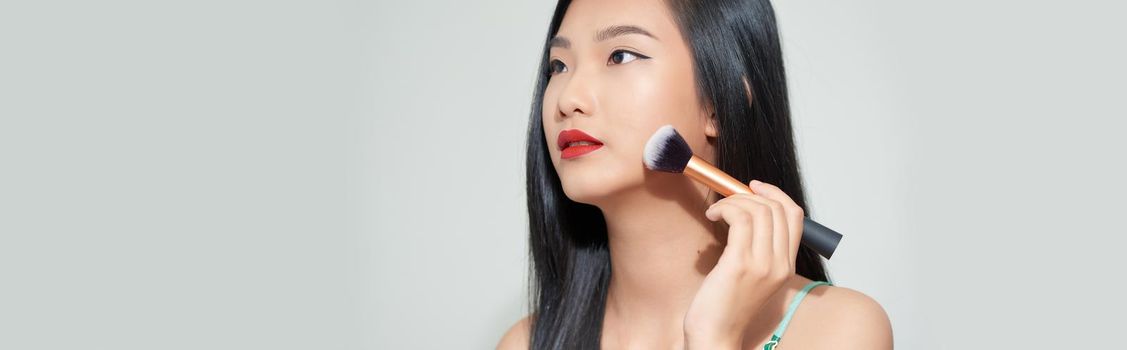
[(592, 191)]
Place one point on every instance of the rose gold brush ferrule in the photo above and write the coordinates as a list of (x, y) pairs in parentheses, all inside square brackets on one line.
[(705, 173)]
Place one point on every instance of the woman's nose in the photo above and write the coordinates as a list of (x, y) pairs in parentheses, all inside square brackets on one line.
[(577, 97)]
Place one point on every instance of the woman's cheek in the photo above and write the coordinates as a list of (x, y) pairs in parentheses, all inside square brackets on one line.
[(650, 106)]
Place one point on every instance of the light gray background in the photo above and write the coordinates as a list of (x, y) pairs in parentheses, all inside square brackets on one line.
[(348, 175)]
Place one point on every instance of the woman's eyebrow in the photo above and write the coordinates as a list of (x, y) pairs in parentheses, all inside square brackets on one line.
[(603, 35), (619, 30), (560, 42)]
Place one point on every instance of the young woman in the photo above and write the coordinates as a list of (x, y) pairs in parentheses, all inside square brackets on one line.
[(625, 258)]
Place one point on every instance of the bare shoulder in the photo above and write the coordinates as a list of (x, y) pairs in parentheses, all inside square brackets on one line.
[(849, 319), (517, 337)]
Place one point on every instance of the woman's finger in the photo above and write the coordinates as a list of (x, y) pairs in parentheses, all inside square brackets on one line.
[(794, 213), (739, 225), (759, 243), (780, 241)]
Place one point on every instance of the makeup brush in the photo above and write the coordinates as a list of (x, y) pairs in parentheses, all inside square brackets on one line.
[(667, 151)]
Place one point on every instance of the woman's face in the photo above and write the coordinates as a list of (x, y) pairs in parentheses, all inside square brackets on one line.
[(620, 70)]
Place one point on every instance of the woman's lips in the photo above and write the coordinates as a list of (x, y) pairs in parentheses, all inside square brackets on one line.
[(575, 151), (574, 142)]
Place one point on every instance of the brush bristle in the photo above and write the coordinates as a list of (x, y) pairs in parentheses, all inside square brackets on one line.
[(667, 151)]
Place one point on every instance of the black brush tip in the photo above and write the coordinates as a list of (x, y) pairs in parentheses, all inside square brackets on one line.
[(667, 151)]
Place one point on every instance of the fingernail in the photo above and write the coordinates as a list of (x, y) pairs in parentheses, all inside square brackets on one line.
[(756, 182)]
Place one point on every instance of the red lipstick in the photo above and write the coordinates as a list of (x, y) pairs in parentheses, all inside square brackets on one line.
[(573, 143)]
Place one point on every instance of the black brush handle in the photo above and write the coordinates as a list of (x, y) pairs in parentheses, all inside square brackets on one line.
[(821, 239)]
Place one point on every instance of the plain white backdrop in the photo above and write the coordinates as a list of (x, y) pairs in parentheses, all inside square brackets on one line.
[(349, 174)]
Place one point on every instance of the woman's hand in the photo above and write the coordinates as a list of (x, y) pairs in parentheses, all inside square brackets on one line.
[(764, 232)]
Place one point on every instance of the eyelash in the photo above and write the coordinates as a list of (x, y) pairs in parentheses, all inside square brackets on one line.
[(555, 63)]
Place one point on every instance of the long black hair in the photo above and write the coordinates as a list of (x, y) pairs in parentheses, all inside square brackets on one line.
[(730, 41)]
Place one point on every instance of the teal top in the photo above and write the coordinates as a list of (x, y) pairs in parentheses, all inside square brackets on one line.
[(778, 335)]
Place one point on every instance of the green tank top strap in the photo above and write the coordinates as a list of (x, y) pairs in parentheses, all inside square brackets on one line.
[(778, 335)]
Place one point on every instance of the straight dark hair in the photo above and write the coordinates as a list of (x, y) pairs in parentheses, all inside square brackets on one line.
[(730, 40)]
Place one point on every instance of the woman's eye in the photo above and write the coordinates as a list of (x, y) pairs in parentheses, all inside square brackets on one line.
[(623, 56), (556, 67)]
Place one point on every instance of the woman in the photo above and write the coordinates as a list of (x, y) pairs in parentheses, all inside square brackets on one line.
[(623, 257)]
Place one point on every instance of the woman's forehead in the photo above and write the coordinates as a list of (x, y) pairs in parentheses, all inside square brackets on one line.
[(591, 20)]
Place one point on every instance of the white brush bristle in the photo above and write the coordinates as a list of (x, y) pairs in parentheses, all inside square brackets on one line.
[(667, 151)]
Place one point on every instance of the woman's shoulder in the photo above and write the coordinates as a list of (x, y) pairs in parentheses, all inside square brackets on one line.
[(829, 317), (842, 317), (517, 337)]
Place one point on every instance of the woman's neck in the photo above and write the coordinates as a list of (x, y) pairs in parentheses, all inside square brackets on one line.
[(661, 248)]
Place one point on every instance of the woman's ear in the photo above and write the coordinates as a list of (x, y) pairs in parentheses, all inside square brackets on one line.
[(710, 128)]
